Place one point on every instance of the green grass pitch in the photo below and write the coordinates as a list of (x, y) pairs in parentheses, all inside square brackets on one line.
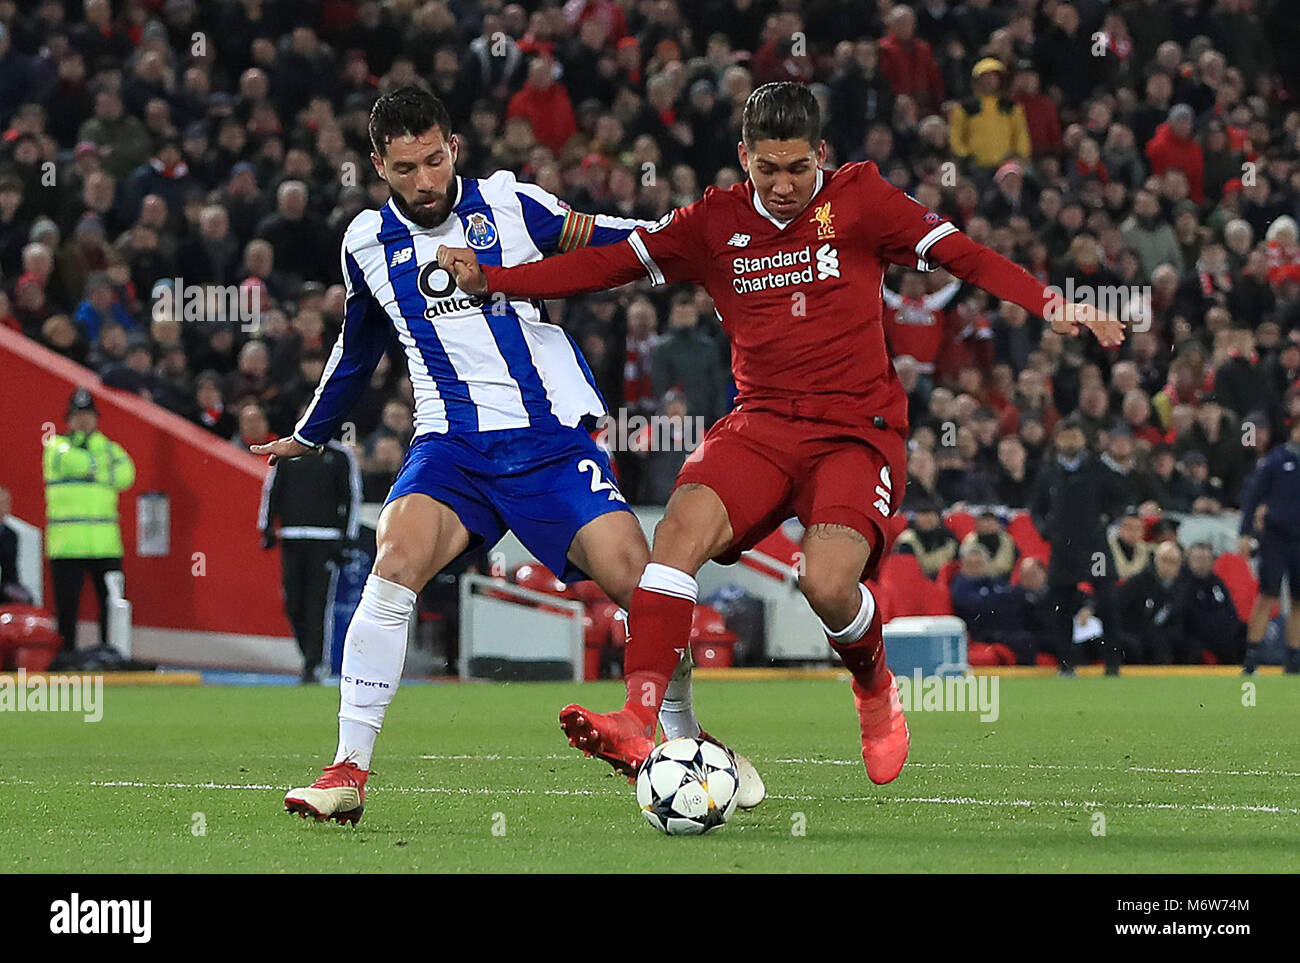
[(1186, 778)]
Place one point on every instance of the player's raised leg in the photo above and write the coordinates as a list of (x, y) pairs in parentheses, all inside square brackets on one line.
[(612, 549), (695, 527), (834, 558), (417, 536)]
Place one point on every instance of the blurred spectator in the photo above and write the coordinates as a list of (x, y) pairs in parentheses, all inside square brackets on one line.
[(928, 539), (685, 359), (379, 469), (1212, 620), (210, 409), (915, 322), (296, 237), (670, 450), (250, 376), (995, 611), (1134, 485), (545, 105), (1015, 477), (1153, 612), (253, 427), (122, 140), (212, 256), (1000, 552), (988, 127), (1042, 118), (1150, 236), (1075, 497), (1173, 146), (99, 306), (396, 422), (1215, 435), (1129, 552), (907, 62)]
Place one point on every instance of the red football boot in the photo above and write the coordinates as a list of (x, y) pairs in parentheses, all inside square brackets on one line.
[(339, 794), (617, 737), (885, 738)]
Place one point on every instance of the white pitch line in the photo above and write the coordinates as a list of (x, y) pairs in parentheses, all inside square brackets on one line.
[(453, 791), (1045, 766), (1062, 803), (497, 757), (915, 800)]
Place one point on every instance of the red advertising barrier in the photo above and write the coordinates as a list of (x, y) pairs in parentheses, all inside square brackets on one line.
[(215, 576)]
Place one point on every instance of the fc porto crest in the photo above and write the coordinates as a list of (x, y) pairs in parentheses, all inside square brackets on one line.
[(480, 233)]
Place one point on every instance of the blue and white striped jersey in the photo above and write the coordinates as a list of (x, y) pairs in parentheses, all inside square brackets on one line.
[(475, 366)]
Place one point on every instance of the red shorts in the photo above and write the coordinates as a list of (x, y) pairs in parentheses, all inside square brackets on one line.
[(771, 462)]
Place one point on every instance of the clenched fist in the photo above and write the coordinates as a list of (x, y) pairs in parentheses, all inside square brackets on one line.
[(464, 268)]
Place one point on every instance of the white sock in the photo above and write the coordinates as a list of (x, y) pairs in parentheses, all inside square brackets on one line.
[(676, 714), (861, 622), (374, 652), (669, 581)]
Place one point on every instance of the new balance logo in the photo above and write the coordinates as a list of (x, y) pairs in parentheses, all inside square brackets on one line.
[(828, 262), (402, 256), (738, 240)]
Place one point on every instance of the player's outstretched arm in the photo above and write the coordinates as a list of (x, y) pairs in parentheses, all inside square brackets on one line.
[(566, 275), (987, 269)]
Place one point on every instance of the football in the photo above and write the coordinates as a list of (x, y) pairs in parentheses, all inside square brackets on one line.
[(687, 787)]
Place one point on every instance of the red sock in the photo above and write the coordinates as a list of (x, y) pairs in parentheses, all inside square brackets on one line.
[(865, 658), (658, 626)]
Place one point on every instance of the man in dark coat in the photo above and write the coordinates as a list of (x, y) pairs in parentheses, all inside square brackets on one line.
[(1074, 500)]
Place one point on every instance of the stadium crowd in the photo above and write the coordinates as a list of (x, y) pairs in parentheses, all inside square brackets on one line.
[(1146, 147)]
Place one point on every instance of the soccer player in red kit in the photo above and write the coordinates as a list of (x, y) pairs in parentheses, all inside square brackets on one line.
[(794, 259)]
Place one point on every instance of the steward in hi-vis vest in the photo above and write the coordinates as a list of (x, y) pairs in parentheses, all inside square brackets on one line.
[(84, 474)]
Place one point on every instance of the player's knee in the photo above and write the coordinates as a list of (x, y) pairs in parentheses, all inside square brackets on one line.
[(835, 598), (399, 560), (623, 580), (684, 544)]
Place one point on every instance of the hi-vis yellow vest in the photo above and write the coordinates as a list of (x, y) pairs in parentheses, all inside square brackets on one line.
[(83, 475)]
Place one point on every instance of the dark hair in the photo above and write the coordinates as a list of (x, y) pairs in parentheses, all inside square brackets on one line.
[(782, 111), (407, 110)]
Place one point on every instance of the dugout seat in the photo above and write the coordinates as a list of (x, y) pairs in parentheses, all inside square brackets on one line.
[(29, 638), (907, 589), (712, 643), (1241, 582), (539, 578), (986, 653), (960, 524), (1026, 538)]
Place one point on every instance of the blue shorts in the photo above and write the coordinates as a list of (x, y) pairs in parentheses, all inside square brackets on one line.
[(543, 484), (1279, 557)]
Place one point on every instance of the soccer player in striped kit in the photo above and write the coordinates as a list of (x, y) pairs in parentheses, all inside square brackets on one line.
[(502, 401)]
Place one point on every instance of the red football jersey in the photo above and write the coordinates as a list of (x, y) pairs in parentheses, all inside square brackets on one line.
[(800, 300)]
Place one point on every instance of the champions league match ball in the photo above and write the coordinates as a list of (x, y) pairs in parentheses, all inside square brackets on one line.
[(687, 787)]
